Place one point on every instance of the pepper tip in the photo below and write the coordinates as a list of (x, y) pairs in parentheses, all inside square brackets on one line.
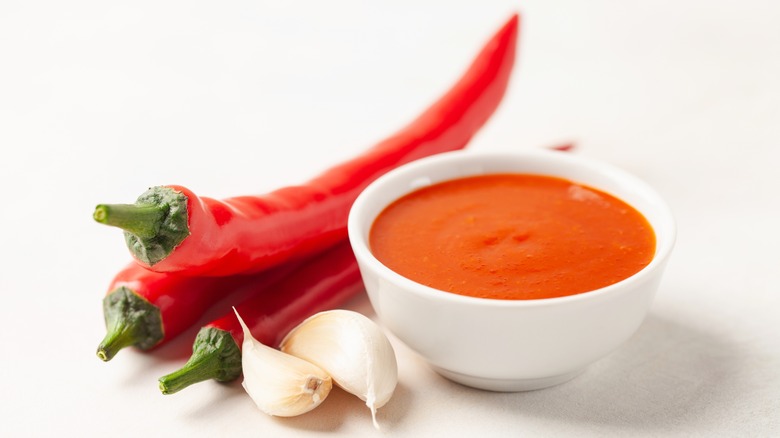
[(163, 388), (100, 214), (102, 355)]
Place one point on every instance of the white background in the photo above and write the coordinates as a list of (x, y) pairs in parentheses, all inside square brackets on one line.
[(99, 100)]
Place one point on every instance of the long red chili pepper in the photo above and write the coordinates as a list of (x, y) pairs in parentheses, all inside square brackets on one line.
[(170, 229), (321, 283), (143, 308)]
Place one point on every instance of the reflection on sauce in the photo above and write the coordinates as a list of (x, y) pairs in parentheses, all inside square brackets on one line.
[(512, 237)]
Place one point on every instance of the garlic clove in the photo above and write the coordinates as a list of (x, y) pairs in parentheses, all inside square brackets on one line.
[(280, 384), (352, 349)]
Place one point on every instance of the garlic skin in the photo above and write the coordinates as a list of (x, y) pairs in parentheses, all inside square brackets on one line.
[(352, 349), (280, 384)]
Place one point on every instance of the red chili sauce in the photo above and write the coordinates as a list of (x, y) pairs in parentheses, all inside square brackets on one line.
[(512, 237)]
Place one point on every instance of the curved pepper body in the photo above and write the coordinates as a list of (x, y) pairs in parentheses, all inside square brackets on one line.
[(251, 233)]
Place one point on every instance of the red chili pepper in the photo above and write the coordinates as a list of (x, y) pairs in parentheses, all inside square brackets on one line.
[(170, 229), (321, 283), (145, 308)]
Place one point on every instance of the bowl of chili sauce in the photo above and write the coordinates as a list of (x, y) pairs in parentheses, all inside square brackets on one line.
[(511, 271)]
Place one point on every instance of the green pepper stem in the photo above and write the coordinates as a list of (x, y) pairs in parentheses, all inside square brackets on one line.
[(143, 220), (155, 225), (197, 369), (130, 320), (215, 355), (119, 337)]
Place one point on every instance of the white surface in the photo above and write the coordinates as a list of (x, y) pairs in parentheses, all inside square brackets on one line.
[(98, 98), (509, 345)]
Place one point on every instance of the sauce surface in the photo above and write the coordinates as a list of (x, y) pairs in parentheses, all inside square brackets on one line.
[(512, 237)]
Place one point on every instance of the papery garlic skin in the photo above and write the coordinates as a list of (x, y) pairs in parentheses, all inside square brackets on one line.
[(352, 349), (281, 384)]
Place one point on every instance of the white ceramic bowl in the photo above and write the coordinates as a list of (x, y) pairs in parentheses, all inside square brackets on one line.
[(509, 345)]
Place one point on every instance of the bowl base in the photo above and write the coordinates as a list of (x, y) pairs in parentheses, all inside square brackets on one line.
[(507, 385)]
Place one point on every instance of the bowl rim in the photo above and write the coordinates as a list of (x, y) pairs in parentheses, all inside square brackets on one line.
[(664, 244)]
